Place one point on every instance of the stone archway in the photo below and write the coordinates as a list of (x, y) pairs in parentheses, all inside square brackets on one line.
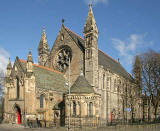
[(18, 113)]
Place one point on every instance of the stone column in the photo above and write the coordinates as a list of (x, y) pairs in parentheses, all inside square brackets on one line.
[(77, 108), (94, 109)]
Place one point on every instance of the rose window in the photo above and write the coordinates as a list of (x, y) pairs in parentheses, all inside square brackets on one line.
[(62, 59)]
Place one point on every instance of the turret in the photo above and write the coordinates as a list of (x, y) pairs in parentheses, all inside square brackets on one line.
[(9, 68), (91, 49), (30, 63), (43, 50)]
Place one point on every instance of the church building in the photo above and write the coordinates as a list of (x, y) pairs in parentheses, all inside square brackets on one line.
[(101, 90)]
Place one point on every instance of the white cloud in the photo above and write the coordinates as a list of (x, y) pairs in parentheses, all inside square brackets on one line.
[(128, 48), (96, 1), (4, 56)]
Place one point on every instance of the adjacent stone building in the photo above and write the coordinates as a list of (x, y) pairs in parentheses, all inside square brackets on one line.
[(101, 89)]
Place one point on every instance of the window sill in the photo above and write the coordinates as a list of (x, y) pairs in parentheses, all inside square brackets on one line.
[(16, 99)]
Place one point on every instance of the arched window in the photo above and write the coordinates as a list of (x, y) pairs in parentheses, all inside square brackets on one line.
[(41, 101), (90, 109), (79, 109), (110, 81), (74, 108), (126, 89), (89, 53), (120, 86), (103, 80), (89, 39), (107, 82), (17, 82), (115, 84)]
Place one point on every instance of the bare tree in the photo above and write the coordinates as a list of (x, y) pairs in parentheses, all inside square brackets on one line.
[(151, 78), (2, 76)]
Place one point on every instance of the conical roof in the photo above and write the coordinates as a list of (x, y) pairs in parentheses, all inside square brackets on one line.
[(30, 59), (81, 85)]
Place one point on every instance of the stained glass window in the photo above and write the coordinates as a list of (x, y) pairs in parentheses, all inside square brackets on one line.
[(90, 109), (74, 108), (41, 101), (17, 81)]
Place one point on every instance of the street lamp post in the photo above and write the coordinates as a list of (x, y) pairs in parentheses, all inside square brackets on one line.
[(69, 120)]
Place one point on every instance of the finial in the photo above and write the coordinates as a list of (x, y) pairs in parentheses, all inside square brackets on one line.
[(137, 53), (30, 54), (62, 21), (43, 28), (30, 59), (90, 4), (9, 66)]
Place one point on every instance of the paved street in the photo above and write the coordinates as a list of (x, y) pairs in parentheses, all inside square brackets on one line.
[(14, 127)]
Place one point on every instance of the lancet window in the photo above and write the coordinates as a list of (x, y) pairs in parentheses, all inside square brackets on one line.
[(74, 108), (41, 101), (90, 109)]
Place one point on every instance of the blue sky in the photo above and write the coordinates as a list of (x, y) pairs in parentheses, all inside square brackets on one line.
[(126, 27)]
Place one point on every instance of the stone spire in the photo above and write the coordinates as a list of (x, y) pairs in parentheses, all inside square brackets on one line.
[(91, 49), (43, 49), (30, 59), (9, 66), (43, 42), (90, 22)]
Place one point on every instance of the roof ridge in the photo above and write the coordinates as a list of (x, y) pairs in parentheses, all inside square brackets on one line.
[(81, 77), (73, 32), (82, 85), (42, 67), (109, 56), (98, 49), (84, 39)]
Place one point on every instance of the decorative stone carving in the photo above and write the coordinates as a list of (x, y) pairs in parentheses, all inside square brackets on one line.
[(61, 61)]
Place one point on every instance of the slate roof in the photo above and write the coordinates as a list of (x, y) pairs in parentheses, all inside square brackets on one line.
[(103, 59), (108, 62), (47, 78), (81, 85)]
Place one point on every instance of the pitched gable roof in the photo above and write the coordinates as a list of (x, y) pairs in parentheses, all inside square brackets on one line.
[(78, 39), (47, 78), (103, 59), (108, 62)]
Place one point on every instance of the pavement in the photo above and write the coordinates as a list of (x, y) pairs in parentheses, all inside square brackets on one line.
[(16, 127)]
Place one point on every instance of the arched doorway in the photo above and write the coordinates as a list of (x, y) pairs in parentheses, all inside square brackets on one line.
[(18, 111)]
